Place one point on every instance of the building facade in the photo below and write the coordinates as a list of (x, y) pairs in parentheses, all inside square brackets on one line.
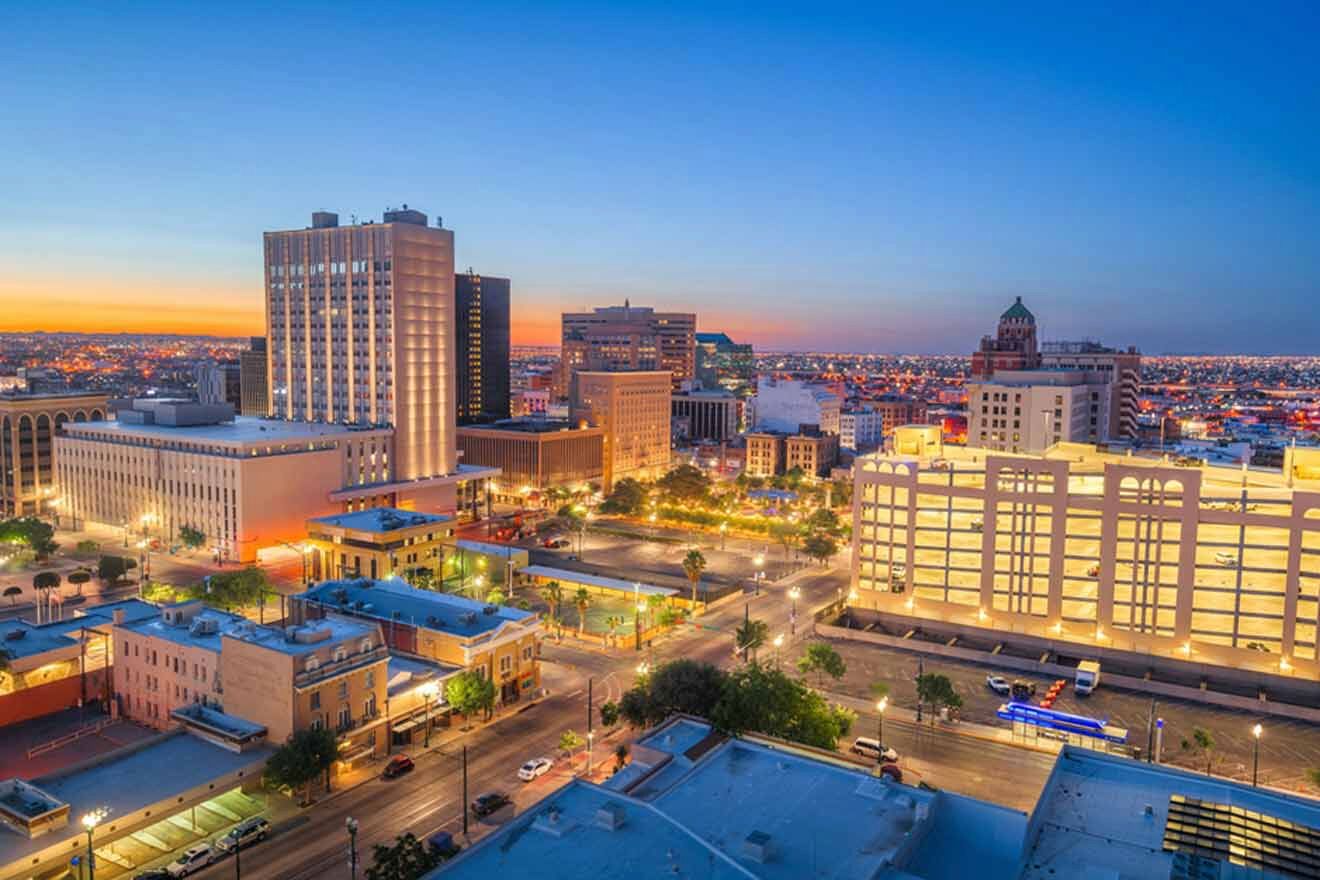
[(861, 430), (1121, 375), (498, 642), (633, 410), (1031, 410), (814, 454), (723, 363), (482, 309), (378, 542), (1013, 347), (253, 380), (29, 424), (896, 410), (765, 454), (245, 483), (1099, 549), (709, 415), (786, 405), (535, 454), (360, 331), (627, 338)]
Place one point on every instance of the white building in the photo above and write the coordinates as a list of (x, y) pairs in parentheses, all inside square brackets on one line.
[(787, 404), (860, 430), (1120, 372), (1031, 410)]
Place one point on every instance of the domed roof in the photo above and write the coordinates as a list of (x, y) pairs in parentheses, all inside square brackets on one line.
[(1018, 310)]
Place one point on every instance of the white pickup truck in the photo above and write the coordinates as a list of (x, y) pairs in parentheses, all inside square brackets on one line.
[(1088, 677)]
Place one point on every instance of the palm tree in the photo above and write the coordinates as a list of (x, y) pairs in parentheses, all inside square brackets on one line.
[(693, 565), (581, 599), (750, 636), (612, 623), (553, 594), (654, 603)]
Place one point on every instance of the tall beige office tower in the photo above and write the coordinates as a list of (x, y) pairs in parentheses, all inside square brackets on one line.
[(633, 408), (360, 323)]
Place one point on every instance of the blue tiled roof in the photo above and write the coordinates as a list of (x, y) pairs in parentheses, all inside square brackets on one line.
[(394, 600)]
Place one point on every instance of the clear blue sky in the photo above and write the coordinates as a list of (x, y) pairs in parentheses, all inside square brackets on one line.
[(838, 177)]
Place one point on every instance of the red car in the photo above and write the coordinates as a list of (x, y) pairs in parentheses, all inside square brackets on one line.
[(397, 766)]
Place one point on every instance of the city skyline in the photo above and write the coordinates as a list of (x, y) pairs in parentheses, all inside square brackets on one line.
[(692, 160)]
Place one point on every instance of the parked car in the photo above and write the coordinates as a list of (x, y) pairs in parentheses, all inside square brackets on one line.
[(998, 684), (397, 766), (534, 768), (194, 858), (1258, 646), (554, 543), (442, 844), (243, 834), (1023, 691), (153, 874), (1224, 558), (489, 802), (898, 572), (891, 771), (978, 524), (872, 748), (1093, 570)]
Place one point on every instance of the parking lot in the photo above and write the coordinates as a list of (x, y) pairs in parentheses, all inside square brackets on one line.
[(1287, 748)]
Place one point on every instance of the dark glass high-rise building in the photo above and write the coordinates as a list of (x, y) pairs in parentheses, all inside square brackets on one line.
[(482, 307)]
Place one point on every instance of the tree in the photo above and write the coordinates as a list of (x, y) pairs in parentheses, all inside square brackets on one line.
[(678, 687), (1201, 744), (937, 690), (470, 692), (609, 714), (78, 578), (822, 659), (685, 484), (785, 534), (237, 589), (793, 478), (823, 519), (46, 580), (582, 599), (407, 859), (36, 535), (192, 538), (693, 565), (654, 604), (628, 497), (764, 699), (840, 493), (553, 594), (87, 547), (111, 569), (12, 594), (570, 742), (819, 547), (750, 636), (620, 756), (308, 755)]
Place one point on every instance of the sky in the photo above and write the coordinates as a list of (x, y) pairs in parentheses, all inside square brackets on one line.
[(866, 177)]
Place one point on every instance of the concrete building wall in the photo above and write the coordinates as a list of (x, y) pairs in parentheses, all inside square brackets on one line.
[(1128, 556), (787, 404), (154, 676), (29, 425), (627, 338), (1030, 411), (633, 409), (765, 455), (539, 459)]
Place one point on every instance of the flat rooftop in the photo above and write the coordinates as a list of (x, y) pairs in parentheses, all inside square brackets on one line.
[(381, 519), (526, 426), (748, 809), (393, 599), (340, 629), (202, 630), (1091, 820), (242, 431), (599, 581), (131, 780), (23, 638)]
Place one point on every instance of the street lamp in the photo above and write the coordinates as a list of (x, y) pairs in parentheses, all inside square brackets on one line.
[(637, 616), (779, 643), (880, 720), (643, 668), (1255, 753), (89, 822), (591, 743), (794, 594), (352, 825), (430, 691)]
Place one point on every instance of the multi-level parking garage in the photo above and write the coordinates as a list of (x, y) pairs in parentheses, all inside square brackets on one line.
[(1211, 564)]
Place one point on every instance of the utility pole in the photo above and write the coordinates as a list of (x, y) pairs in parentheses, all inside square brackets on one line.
[(1150, 733), (238, 869), (590, 682)]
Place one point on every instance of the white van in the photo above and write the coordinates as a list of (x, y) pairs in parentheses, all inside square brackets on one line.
[(871, 748), (1224, 558)]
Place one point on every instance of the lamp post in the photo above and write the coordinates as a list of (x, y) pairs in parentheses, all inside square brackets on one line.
[(89, 822), (429, 692), (1255, 753), (637, 617), (591, 743), (779, 643), (880, 720), (793, 594), (352, 825)]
